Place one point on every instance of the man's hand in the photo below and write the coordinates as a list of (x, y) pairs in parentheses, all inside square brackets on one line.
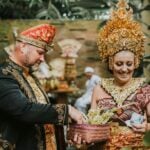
[(80, 118), (76, 115)]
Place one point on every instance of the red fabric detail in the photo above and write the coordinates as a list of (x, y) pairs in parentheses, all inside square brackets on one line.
[(43, 32), (143, 96)]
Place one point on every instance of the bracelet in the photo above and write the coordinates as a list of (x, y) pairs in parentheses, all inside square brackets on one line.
[(85, 117)]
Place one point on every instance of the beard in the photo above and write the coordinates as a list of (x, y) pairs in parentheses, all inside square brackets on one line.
[(35, 67)]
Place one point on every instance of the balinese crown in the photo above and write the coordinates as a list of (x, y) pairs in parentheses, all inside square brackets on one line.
[(121, 33)]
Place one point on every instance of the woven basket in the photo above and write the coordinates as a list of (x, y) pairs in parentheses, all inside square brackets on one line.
[(89, 133)]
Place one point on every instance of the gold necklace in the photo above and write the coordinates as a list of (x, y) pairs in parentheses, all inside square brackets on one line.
[(118, 93)]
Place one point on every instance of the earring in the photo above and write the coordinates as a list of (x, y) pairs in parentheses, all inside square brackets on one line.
[(110, 62)]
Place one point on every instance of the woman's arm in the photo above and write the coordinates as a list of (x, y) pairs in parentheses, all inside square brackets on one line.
[(145, 126), (98, 93), (148, 115)]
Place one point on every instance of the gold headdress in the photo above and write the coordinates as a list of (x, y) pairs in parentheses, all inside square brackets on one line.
[(121, 33)]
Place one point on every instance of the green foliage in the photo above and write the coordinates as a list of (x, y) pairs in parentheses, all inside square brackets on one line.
[(35, 3), (3, 56), (146, 139), (21, 9), (63, 9), (126, 148)]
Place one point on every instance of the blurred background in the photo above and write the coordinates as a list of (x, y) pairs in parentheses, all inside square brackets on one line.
[(74, 19), (77, 23)]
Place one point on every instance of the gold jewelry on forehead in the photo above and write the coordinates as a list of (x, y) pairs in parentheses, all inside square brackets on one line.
[(121, 33)]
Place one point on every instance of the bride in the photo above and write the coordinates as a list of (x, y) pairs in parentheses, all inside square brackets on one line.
[(121, 44)]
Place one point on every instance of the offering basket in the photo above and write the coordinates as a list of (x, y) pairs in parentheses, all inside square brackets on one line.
[(89, 132)]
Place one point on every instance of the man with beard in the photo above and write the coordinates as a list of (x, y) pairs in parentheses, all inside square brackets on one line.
[(25, 110)]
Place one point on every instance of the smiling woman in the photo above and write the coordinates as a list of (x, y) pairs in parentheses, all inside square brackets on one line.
[(121, 44), (123, 67)]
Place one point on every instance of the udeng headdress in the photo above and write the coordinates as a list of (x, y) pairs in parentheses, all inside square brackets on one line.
[(40, 36), (121, 33)]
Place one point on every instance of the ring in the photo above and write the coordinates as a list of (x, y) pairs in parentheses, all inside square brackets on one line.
[(80, 146), (92, 144)]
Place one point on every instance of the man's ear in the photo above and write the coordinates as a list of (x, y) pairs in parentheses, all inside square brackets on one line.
[(22, 47)]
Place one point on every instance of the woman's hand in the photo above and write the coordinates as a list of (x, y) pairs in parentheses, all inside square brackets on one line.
[(140, 127), (143, 127)]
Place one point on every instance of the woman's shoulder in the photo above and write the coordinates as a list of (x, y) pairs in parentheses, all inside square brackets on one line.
[(99, 90), (100, 94), (142, 83), (145, 88)]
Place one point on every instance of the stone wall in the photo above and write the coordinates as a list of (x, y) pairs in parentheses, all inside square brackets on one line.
[(83, 31)]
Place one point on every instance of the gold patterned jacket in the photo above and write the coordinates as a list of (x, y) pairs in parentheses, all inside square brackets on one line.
[(24, 109)]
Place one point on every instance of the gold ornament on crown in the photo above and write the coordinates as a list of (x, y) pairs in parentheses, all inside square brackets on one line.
[(121, 33)]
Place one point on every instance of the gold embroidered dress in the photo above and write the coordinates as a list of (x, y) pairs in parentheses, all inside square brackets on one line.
[(134, 97), (122, 33)]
